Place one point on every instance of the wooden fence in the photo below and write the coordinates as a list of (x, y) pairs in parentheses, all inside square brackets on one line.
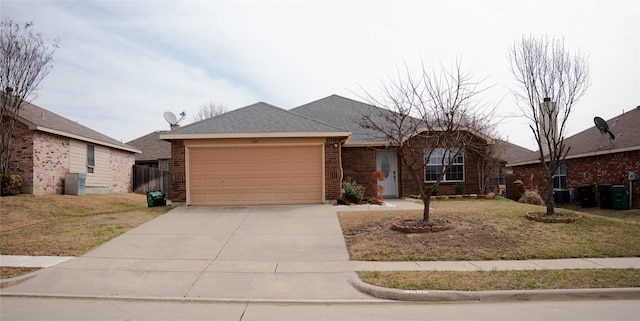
[(147, 179)]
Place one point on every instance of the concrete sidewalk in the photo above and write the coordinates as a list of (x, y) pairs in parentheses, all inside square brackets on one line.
[(266, 253), (346, 266)]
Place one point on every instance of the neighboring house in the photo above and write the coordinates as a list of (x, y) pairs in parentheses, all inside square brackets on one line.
[(156, 152), (262, 154), (506, 153), (593, 159), (46, 146)]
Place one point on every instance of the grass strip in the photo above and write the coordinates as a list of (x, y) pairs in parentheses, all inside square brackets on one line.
[(504, 280)]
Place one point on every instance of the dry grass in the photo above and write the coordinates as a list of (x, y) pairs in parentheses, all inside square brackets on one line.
[(65, 225), (487, 230), (505, 280), (12, 272)]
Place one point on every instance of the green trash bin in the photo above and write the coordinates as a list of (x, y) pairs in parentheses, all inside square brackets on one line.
[(156, 198), (620, 197)]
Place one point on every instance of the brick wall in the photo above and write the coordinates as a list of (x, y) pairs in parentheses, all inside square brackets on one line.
[(596, 170), (51, 161), (359, 163), (121, 171), (332, 184), (22, 155), (178, 172)]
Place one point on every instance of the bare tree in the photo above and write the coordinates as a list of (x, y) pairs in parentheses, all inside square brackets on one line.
[(550, 81), (489, 162), (433, 118), (25, 61), (209, 110)]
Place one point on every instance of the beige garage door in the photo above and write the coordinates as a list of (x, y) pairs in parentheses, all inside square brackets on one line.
[(255, 175)]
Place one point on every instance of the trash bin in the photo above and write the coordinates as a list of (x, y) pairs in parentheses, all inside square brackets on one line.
[(605, 195), (620, 196), (156, 198), (587, 195)]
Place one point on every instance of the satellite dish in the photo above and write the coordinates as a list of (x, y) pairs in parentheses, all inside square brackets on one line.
[(602, 125), (170, 118), (173, 120)]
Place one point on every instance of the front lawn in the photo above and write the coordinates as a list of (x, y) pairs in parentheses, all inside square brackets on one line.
[(66, 225), (488, 230)]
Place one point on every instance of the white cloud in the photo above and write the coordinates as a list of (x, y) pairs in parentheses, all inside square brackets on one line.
[(122, 64)]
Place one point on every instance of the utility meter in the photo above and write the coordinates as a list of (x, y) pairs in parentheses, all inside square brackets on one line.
[(633, 176)]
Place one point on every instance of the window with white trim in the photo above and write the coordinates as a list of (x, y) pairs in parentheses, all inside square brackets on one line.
[(91, 158), (560, 177), (437, 159)]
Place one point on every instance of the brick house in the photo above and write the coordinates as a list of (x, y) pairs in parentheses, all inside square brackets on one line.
[(593, 159), (262, 154), (46, 146)]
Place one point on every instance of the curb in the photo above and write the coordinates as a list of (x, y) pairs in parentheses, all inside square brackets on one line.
[(5, 283), (497, 296)]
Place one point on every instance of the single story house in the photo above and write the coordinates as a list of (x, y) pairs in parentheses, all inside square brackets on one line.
[(262, 154), (501, 176), (46, 146), (155, 152), (593, 159)]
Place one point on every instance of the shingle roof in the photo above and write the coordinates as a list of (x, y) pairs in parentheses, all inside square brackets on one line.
[(259, 118), (343, 113), (38, 118), (512, 152), (587, 142), (152, 147)]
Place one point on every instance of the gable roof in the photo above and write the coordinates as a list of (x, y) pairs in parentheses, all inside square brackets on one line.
[(37, 118), (511, 152), (153, 148), (587, 142), (257, 120), (345, 113)]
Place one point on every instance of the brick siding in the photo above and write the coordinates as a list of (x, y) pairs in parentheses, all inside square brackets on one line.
[(121, 171), (178, 172), (358, 164), (22, 155), (332, 184), (43, 160), (596, 170), (51, 159)]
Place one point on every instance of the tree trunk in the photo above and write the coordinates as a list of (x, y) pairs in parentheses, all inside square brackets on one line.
[(549, 199), (425, 212)]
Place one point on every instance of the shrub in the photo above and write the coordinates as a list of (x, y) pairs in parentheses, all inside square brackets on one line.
[(10, 184), (531, 197), (459, 188), (352, 190)]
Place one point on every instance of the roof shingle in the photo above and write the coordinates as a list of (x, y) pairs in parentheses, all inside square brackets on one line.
[(257, 118), (38, 118)]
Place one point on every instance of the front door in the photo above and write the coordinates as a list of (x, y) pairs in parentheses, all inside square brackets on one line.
[(386, 161)]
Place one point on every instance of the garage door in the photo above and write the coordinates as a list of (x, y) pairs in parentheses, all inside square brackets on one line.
[(256, 175)]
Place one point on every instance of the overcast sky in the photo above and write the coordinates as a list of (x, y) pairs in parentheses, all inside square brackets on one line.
[(122, 64)]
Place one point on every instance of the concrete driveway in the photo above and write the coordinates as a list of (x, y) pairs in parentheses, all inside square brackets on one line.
[(277, 253)]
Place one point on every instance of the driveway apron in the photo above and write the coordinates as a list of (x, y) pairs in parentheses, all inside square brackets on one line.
[(219, 253)]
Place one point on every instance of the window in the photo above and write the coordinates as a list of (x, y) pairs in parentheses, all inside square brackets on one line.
[(91, 158), (560, 177), (439, 159)]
